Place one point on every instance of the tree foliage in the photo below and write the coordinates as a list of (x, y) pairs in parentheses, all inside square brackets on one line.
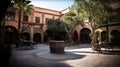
[(96, 11), (71, 20), (54, 28), (55, 25), (23, 5)]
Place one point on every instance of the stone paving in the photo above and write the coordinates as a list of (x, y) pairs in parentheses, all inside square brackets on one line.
[(75, 56)]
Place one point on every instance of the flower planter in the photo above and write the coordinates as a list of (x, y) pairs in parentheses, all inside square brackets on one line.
[(56, 47)]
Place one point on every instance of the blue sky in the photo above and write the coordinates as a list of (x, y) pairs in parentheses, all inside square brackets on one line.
[(58, 5)]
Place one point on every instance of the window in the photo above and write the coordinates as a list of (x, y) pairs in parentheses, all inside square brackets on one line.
[(25, 18), (10, 16), (37, 19)]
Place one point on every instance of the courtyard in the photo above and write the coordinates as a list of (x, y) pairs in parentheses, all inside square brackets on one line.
[(75, 56), (77, 24)]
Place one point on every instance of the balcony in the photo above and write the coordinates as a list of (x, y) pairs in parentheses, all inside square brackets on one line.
[(31, 23), (115, 20)]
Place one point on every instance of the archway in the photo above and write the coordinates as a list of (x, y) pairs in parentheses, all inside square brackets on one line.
[(11, 35), (115, 36), (84, 35), (37, 37), (103, 35), (75, 36), (26, 36)]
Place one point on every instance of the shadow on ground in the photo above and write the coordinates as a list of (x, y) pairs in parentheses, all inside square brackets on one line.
[(59, 57), (42, 63)]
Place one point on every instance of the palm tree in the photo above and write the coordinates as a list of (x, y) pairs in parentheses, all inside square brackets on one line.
[(96, 11), (71, 20), (23, 7)]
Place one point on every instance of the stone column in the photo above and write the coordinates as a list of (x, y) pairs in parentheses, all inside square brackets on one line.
[(31, 34), (42, 37), (42, 33)]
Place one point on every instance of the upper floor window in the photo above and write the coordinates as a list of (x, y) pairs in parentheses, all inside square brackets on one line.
[(10, 16), (37, 19), (25, 18)]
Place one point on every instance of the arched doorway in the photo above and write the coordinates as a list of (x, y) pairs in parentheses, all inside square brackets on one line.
[(10, 35), (75, 36), (37, 37), (84, 35), (26, 36), (103, 36), (115, 34)]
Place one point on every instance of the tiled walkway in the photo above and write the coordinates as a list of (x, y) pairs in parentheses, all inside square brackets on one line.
[(76, 56)]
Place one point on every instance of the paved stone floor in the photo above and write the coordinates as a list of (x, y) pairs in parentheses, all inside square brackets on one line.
[(76, 56)]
